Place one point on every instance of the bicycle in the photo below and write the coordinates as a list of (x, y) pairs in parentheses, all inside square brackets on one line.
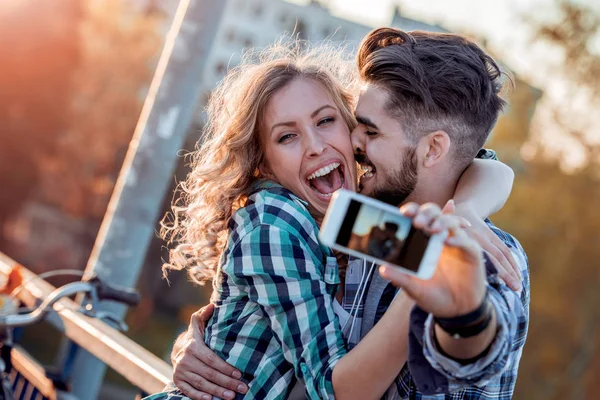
[(13, 316)]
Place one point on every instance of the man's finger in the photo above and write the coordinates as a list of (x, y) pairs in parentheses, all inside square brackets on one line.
[(461, 240), (205, 313), (203, 384), (208, 357), (426, 215), (398, 278), (449, 207), (222, 381), (192, 393), (409, 209), (444, 222)]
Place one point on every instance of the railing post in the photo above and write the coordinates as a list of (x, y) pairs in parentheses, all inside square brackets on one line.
[(129, 222)]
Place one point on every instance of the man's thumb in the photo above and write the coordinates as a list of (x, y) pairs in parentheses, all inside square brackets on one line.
[(449, 207), (200, 318), (399, 279)]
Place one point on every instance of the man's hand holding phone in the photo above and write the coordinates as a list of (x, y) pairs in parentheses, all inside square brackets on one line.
[(458, 285), (456, 295)]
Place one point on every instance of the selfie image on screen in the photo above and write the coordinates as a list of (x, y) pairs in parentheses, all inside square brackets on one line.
[(380, 234)]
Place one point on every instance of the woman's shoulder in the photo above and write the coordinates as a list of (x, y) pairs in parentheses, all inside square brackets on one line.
[(274, 206)]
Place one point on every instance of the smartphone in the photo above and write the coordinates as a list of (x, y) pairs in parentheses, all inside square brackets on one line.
[(367, 228)]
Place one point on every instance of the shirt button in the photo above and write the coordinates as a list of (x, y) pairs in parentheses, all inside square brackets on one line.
[(303, 369)]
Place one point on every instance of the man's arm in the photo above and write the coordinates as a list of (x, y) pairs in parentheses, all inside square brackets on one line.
[(456, 290), (198, 372)]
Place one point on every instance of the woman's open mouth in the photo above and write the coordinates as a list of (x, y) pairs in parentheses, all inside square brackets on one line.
[(327, 180)]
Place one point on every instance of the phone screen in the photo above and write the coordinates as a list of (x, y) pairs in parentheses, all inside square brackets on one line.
[(389, 237)]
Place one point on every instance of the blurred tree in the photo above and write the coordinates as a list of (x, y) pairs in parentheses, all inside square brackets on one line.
[(38, 55), (555, 216), (118, 45), (72, 82)]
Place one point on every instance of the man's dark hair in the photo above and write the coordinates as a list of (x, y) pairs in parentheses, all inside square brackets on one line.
[(435, 81)]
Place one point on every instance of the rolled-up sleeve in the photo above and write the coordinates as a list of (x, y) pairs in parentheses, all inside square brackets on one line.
[(290, 287), (434, 372)]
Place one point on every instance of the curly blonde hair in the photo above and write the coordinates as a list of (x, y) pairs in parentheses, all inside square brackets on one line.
[(226, 164)]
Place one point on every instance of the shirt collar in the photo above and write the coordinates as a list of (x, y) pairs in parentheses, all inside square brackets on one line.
[(268, 184)]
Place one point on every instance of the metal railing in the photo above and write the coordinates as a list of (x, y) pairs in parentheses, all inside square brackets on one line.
[(136, 364)]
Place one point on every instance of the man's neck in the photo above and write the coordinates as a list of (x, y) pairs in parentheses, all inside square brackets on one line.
[(436, 190)]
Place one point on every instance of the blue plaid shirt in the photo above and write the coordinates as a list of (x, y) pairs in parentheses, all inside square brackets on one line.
[(273, 293), (429, 374)]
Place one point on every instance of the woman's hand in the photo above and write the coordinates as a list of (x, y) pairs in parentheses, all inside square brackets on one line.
[(198, 372), (497, 251)]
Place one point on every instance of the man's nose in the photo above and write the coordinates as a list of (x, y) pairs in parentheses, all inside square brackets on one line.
[(358, 141)]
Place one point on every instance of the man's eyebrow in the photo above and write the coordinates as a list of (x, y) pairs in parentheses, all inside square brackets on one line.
[(366, 121)]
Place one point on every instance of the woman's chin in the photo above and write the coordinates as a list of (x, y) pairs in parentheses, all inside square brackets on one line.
[(319, 202)]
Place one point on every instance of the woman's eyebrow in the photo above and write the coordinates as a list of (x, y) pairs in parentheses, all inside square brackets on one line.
[(312, 115), (318, 110), (289, 124)]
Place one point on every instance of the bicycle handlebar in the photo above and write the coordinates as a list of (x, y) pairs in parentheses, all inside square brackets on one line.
[(123, 295), (103, 291)]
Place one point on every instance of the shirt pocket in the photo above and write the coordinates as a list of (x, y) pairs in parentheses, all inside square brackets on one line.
[(331, 271)]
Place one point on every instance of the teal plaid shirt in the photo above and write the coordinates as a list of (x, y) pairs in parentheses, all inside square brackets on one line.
[(273, 293)]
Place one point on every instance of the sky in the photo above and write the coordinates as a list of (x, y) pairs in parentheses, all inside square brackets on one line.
[(505, 24)]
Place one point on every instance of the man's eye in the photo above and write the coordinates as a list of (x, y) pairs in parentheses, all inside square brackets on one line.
[(325, 121), (370, 133), (285, 138)]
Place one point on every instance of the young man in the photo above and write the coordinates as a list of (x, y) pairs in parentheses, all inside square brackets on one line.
[(428, 103)]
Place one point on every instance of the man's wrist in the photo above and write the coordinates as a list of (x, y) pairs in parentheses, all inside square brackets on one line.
[(470, 324)]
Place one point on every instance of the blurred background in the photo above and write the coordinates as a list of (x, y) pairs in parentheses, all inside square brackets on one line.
[(74, 75)]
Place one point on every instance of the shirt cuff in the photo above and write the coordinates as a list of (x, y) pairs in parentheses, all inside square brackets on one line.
[(479, 371)]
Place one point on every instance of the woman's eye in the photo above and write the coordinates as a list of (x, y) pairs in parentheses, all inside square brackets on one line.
[(285, 137), (370, 133), (326, 121)]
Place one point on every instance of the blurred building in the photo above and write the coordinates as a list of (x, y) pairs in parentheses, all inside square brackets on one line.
[(258, 23)]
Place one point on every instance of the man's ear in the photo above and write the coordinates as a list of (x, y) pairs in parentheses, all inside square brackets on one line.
[(433, 148)]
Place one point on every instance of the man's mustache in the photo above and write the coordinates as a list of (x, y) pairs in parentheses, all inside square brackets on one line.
[(361, 158)]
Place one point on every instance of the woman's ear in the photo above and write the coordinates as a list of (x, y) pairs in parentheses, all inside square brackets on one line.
[(434, 147), (265, 171)]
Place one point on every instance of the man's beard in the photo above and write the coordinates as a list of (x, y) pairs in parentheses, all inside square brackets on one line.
[(401, 183)]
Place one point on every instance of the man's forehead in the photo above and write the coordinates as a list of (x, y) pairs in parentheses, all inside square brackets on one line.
[(372, 102)]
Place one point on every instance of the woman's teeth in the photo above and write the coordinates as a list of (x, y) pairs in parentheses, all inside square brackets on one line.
[(323, 171), (326, 180)]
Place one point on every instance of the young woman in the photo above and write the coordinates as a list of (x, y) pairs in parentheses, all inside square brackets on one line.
[(277, 145)]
